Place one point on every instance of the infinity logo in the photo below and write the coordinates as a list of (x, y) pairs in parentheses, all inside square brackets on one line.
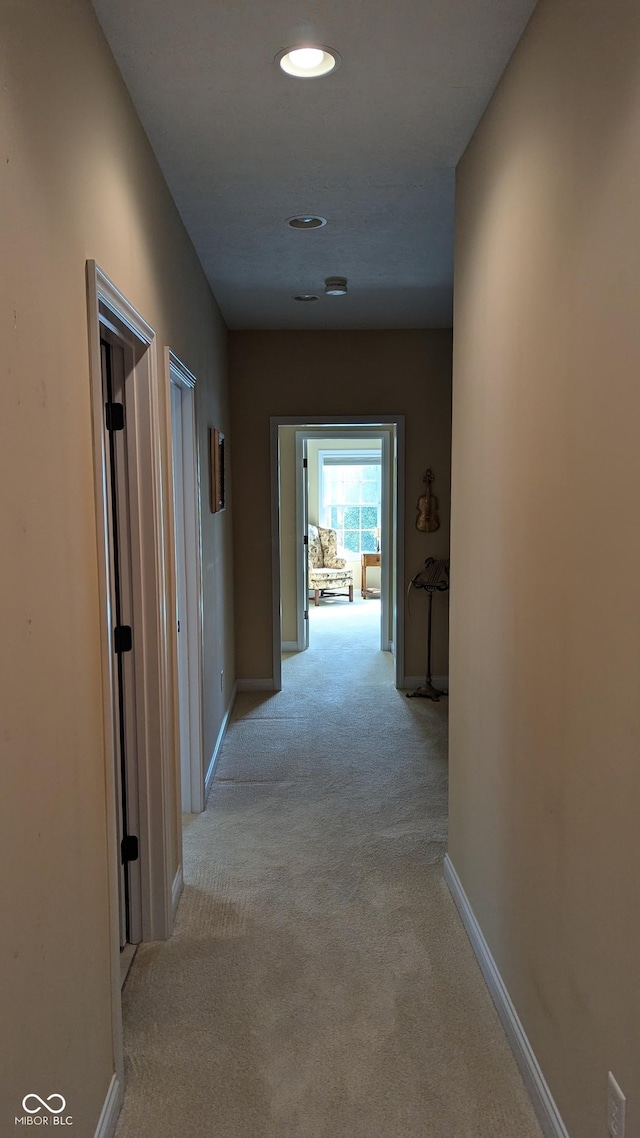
[(43, 1103)]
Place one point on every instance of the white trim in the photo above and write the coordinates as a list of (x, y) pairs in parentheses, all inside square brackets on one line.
[(216, 750), (276, 613), (418, 682), (543, 1102), (176, 890), (184, 377), (120, 306), (108, 679), (398, 496), (302, 527), (309, 425), (154, 675), (111, 1108), (290, 646), (180, 376), (127, 957)]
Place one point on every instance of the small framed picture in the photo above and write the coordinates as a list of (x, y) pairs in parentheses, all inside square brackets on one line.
[(216, 470)]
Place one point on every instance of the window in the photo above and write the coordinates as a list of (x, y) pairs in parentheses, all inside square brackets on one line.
[(350, 498)]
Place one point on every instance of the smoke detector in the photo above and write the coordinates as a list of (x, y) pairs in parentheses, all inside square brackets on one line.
[(335, 286)]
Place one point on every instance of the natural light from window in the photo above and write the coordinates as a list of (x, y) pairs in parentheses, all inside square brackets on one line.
[(350, 494)]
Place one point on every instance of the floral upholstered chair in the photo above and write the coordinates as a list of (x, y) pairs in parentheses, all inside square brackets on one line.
[(327, 573)]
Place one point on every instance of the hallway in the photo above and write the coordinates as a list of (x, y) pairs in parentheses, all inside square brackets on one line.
[(319, 984)]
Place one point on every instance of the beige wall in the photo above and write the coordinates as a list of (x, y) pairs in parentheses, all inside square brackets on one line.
[(334, 373), (77, 181), (545, 651)]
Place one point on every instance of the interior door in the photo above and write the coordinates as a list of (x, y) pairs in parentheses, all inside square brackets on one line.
[(302, 537), (182, 622), (121, 506)]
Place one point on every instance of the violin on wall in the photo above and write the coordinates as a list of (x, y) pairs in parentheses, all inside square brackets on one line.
[(428, 519)]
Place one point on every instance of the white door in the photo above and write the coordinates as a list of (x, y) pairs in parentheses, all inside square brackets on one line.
[(120, 448), (182, 621)]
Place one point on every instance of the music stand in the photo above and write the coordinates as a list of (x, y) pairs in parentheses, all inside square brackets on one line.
[(434, 578)]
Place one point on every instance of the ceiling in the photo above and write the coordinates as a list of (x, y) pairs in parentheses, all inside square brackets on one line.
[(372, 147)]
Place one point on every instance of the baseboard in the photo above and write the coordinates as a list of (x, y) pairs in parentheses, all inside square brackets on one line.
[(256, 685), (543, 1102), (216, 750), (418, 682), (112, 1106), (289, 645), (176, 890)]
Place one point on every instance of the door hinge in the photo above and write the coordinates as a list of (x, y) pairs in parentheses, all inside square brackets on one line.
[(305, 540), (129, 848), (122, 638), (114, 416), (304, 464), (306, 614)]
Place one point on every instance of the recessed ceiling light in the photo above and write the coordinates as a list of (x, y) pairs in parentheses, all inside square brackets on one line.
[(306, 296), (309, 61), (335, 286), (306, 221)]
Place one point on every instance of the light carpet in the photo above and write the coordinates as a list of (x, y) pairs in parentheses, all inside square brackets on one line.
[(319, 983)]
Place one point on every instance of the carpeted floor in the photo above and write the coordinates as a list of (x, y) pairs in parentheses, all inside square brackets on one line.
[(319, 983)]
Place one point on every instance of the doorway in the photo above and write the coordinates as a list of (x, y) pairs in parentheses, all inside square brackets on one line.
[(319, 468), (124, 598), (131, 486), (188, 560), (342, 494)]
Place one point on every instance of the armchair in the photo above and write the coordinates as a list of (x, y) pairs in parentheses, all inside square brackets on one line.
[(327, 573)]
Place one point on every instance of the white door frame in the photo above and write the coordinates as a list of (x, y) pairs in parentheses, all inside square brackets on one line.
[(182, 378), (307, 425), (302, 525), (107, 305)]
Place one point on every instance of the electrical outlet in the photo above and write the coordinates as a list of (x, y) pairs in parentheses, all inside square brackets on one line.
[(222, 679), (616, 1108)]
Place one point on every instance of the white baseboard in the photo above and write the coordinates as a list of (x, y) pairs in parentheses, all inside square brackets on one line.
[(216, 750), (289, 646), (543, 1102), (112, 1106), (256, 685), (418, 682), (178, 883)]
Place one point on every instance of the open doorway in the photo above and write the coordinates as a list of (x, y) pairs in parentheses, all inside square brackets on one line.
[(135, 603), (341, 480), (188, 561), (344, 496), (337, 486)]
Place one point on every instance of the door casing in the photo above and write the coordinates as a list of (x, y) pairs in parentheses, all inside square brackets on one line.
[(309, 426), (151, 548), (181, 378)]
